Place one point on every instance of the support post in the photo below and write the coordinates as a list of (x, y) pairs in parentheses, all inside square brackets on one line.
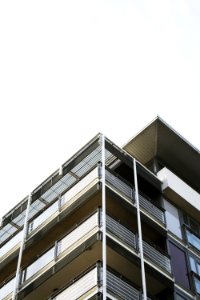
[(25, 229), (144, 288), (104, 256)]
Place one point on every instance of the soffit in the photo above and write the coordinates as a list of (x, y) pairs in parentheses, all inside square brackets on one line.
[(159, 140)]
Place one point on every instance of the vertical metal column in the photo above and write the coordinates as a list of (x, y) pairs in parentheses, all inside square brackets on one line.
[(104, 257), (144, 288), (15, 291)]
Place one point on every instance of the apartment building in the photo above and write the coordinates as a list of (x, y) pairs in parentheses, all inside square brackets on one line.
[(110, 223)]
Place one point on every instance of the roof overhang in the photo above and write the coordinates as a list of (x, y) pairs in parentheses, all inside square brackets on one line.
[(159, 140)]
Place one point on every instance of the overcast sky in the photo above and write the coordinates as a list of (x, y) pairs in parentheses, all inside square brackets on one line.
[(69, 69)]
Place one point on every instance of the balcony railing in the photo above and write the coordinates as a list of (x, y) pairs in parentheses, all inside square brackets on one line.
[(119, 184), (7, 289), (118, 230), (72, 195), (157, 257), (91, 283), (118, 287), (11, 244), (67, 198), (88, 284), (128, 237), (80, 233), (68, 243), (128, 191), (152, 209)]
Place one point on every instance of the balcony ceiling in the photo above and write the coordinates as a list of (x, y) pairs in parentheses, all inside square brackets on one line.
[(159, 140)]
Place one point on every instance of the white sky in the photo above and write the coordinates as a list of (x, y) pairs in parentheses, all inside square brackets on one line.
[(69, 69)]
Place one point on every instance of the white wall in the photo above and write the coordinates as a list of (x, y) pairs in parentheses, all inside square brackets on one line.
[(170, 180)]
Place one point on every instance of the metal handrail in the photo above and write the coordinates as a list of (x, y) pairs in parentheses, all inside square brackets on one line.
[(128, 190), (157, 257)]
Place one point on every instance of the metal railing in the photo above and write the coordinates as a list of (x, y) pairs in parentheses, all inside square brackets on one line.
[(152, 209), (128, 191), (80, 287), (121, 288), (91, 283), (120, 231), (127, 236), (77, 236), (157, 257), (119, 184)]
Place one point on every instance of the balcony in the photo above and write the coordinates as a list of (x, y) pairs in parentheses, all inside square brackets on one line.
[(156, 257), (127, 191), (90, 284), (61, 248), (72, 196), (81, 233), (11, 246), (64, 247), (130, 240), (7, 289)]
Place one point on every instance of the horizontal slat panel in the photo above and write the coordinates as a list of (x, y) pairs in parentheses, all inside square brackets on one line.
[(78, 233), (120, 231), (152, 209), (157, 257), (121, 288), (118, 184), (80, 287)]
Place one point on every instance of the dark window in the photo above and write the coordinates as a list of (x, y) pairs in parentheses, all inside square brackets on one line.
[(179, 297), (179, 265), (191, 223)]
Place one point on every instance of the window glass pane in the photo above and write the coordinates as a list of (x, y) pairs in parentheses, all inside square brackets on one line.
[(194, 226), (172, 219), (178, 297), (193, 239), (197, 285), (40, 263), (192, 264), (179, 265)]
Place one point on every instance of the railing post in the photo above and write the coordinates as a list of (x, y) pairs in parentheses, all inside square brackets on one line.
[(103, 189), (144, 288), (25, 230)]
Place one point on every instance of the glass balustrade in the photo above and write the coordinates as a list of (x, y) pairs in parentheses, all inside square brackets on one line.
[(37, 265), (11, 244), (87, 229), (43, 217), (91, 283), (7, 288)]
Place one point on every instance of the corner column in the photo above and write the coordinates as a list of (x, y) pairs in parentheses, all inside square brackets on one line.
[(104, 255)]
